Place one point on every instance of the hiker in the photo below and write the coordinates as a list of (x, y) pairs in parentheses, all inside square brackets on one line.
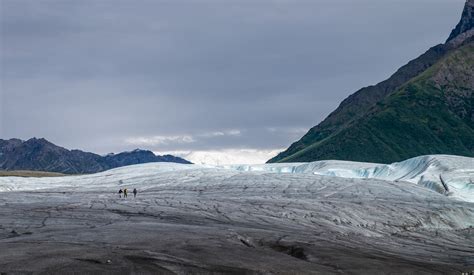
[(120, 193), (125, 192), (135, 192)]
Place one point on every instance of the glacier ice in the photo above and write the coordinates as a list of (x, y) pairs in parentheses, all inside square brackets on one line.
[(451, 175), (323, 216)]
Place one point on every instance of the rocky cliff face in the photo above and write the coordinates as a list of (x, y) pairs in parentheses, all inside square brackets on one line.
[(326, 140), (467, 20), (42, 155)]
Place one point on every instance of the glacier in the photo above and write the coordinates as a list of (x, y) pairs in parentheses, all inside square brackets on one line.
[(328, 217), (450, 175)]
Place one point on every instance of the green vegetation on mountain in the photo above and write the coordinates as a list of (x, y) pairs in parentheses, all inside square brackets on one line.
[(27, 174), (426, 107)]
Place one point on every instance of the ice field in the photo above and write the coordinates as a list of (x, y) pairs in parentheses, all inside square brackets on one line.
[(450, 175), (325, 217)]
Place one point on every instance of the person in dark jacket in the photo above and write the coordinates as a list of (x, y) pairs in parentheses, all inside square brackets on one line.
[(120, 193), (135, 192)]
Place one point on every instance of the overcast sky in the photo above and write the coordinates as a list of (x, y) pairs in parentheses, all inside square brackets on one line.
[(110, 75)]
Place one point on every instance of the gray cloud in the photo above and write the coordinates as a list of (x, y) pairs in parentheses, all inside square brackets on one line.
[(113, 75)]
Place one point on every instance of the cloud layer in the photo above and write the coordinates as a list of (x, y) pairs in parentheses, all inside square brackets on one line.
[(108, 76), (226, 156)]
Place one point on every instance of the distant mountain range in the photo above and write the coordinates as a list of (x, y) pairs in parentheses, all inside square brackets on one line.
[(42, 155), (426, 107)]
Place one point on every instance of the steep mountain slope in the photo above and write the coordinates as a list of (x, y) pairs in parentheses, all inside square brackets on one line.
[(375, 125), (42, 155), (467, 20)]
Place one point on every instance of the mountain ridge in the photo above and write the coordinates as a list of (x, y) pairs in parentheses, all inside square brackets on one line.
[(38, 154), (358, 105), (467, 21)]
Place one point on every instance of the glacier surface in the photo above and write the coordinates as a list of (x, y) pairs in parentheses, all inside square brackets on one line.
[(450, 175), (322, 217)]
